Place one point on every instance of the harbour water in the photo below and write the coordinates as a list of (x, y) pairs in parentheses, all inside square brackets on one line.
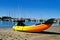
[(10, 24), (6, 24)]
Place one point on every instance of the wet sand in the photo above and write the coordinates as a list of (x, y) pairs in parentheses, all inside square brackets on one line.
[(53, 33)]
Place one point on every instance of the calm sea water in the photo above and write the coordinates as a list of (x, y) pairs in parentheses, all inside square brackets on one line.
[(6, 24), (10, 24)]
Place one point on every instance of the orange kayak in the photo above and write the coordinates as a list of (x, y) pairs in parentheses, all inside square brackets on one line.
[(35, 28)]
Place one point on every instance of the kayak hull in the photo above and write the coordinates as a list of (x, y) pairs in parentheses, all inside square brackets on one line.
[(34, 28)]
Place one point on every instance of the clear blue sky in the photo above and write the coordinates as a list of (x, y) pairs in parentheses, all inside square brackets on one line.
[(30, 8)]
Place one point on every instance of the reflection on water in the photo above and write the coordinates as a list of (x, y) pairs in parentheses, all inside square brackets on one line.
[(31, 23), (6, 24), (9, 24)]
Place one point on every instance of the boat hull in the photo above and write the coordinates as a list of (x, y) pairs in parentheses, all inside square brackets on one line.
[(34, 28)]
